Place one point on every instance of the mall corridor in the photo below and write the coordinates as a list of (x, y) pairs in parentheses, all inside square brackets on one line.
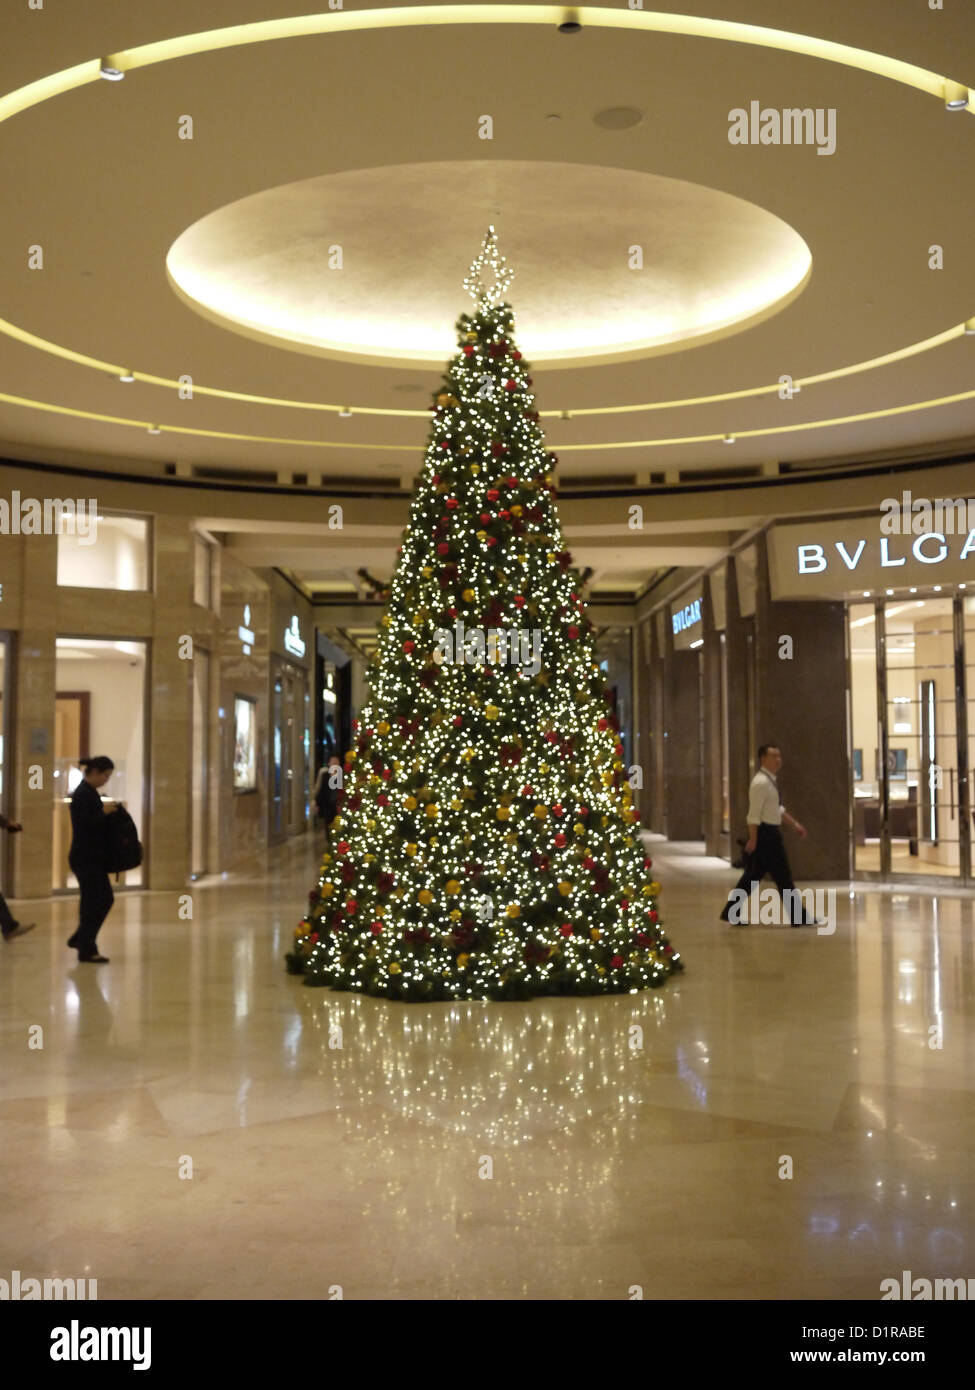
[(199, 1125)]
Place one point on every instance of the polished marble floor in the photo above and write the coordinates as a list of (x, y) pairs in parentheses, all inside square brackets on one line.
[(199, 1125)]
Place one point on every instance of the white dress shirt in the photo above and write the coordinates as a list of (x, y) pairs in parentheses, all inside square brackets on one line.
[(764, 807)]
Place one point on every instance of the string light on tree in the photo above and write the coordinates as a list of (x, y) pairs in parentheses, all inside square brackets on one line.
[(488, 296), (486, 845)]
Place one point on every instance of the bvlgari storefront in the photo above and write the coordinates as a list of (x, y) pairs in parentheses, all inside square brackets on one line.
[(854, 651), (910, 688)]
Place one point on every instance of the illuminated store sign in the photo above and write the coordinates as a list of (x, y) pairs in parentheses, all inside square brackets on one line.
[(853, 558), (930, 549), (292, 638), (687, 616), (687, 620), (244, 632)]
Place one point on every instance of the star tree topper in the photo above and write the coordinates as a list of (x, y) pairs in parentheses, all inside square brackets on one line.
[(487, 297)]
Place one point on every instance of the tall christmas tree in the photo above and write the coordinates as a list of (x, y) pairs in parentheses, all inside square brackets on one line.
[(486, 846)]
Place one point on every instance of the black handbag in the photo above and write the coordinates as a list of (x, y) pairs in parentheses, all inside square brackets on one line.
[(744, 859)]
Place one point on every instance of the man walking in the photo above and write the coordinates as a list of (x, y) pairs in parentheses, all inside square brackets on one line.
[(764, 849)]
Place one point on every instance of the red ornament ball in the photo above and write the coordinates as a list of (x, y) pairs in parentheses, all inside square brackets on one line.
[(342, 847), (493, 494), (376, 928), (443, 548), (565, 929), (452, 504), (511, 385), (469, 350), (573, 633), (616, 962), (408, 646)]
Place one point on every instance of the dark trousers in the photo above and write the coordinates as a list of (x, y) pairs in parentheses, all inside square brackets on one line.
[(96, 903), (769, 858), (7, 920)]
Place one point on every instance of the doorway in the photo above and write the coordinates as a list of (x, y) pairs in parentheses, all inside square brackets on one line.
[(910, 664)]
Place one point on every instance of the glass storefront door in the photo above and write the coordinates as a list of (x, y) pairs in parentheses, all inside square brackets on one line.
[(909, 747)]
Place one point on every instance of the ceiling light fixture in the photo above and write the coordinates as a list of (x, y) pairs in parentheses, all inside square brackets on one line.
[(110, 73), (970, 327), (127, 376), (154, 429), (570, 25), (956, 96), (728, 439), (345, 413), (618, 118)]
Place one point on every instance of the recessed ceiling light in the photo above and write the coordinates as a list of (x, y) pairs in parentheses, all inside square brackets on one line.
[(127, 376), (109, 73), (154, 429), (970, 326), (570, 25), (618, 118), (345, 413), (728, 439)]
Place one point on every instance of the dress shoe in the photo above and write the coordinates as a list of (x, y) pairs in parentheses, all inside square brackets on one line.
[(19, 930), (93, 960), (73, 941)]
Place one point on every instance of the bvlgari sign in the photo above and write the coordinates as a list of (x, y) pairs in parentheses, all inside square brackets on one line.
[(687, 620), (846, 558)]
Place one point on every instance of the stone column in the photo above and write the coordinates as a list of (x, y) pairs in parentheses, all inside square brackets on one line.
[(31, 593)]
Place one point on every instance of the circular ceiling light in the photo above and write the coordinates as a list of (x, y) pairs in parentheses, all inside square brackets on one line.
[(110, 73), (710, 264), (618, 118)]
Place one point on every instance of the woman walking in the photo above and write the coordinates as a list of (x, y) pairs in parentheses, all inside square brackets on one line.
[(88, 856)]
